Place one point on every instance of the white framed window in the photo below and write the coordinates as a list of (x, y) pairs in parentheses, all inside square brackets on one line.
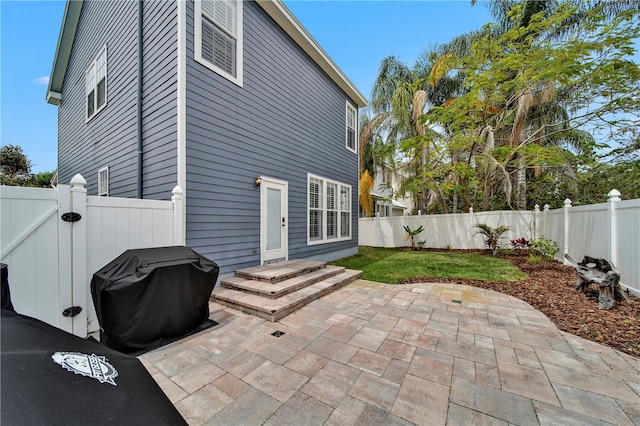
[(329, 210), (315, 209), (382, 209), (103, 182), (96, 84), (332, 210), (345, 212), (351, 128), (218, 37)]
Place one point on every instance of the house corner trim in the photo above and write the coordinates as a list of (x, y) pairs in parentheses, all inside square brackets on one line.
[(181, 125)]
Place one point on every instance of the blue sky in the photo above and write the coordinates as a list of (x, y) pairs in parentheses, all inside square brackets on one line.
[(356, 34)]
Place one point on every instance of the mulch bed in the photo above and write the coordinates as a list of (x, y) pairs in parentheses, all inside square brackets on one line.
[(549, 288)]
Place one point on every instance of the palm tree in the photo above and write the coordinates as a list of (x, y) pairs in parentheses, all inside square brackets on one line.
[(399, 99), (397, 103)]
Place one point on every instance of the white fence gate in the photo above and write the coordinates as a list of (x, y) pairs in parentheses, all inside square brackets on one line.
[(36, 245), (608, 230), (51, 261)]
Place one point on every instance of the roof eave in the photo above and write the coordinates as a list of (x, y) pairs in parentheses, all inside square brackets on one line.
[(275, 8), (70, 20), (283, 17)]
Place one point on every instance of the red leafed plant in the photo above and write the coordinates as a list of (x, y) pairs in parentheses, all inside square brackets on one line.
[(520, 243)]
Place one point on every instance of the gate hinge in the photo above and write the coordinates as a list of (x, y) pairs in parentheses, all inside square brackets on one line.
[(71, 217), (72, 311)]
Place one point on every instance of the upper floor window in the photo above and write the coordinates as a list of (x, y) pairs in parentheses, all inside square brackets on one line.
[(96, 84), (218, 37), (352, 125)]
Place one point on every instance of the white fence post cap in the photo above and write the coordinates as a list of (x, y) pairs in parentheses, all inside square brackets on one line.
[(78, 181), (614, 195), (567, 202), (177, 191)]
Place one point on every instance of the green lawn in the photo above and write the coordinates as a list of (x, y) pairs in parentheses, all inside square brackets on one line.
[(388, 265)]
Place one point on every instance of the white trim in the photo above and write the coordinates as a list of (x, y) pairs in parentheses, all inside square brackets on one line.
[(97, 109), (197, 44), (263, 217), (181, 125), (350, 109), (100, 181), (324, 239)]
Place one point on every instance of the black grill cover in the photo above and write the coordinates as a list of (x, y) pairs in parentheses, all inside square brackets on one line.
[(36, 390), (149, 296), (6, 294)]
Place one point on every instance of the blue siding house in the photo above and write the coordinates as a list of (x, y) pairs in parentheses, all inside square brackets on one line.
[(231, 100)]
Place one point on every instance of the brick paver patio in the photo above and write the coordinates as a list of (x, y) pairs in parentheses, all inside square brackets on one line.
[(376, 354)]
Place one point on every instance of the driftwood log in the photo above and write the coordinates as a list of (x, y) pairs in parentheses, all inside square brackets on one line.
[(598, 271)]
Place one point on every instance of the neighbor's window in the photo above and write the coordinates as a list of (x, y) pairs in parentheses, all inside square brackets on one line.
[(103, 182), (96, 84), (218, 37), (352, 120), (329, 210)]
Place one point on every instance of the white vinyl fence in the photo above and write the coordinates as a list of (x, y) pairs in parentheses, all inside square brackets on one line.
[(609, 230), (51, 261)]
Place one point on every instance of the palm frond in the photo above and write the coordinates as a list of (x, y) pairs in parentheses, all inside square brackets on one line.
[(366, 200)]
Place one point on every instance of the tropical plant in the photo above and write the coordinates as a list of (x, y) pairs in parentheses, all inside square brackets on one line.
[(491, 235), (520, 243), (412, 234)]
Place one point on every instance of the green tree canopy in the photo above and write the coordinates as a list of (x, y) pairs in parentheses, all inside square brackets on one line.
[(15, 169), (516, 111), (13, 161)]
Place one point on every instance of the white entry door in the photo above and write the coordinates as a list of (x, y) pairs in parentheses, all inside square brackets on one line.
[(274, 220)]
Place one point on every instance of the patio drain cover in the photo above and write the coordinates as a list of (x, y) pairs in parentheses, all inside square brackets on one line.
[(456, 301), (278, 333)]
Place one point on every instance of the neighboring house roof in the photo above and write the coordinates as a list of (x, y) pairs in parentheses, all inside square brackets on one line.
[(275, 8), (394, 203)]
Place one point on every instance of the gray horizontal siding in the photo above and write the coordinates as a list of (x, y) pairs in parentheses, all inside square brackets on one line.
[(109, 138), (159, 116), (288, 120)]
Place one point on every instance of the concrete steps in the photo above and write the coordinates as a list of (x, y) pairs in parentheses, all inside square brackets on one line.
[(275, 290)]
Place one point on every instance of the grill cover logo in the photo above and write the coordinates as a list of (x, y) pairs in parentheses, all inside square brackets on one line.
[(92, 366)]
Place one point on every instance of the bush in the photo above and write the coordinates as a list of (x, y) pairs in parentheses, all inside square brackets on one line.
[(520, 244), (534, 258), (545, 247)]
